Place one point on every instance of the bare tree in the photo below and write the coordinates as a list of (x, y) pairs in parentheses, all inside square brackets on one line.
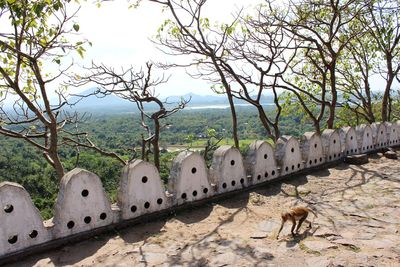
[(190, 34), (356, 69), (137, 87), (325, 28), (35, 37), (383, 23), (246, 56), (258, 53)]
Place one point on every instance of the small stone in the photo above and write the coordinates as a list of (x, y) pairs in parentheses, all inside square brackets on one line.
[(390, 155), (259, 235), (345, 242), (356, 159)]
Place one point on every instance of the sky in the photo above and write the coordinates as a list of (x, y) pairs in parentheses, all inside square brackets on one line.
[(120, 37)]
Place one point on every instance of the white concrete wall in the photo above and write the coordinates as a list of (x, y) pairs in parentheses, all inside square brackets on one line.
[(365, 138), (392, 134), (379, 134), (348, 140), (288, 155), (227, 171), (260, 162), (189, 178), (397, 125), (20, 223), (331, 145), (81, 204), (141, 190), (311, 149)]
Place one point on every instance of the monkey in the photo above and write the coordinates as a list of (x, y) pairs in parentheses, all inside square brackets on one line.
[(294, 214)]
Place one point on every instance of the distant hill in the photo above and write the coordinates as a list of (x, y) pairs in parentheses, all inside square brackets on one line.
[(114, 104)]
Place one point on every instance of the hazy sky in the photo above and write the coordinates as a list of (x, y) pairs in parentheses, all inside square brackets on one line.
[(120, 37)]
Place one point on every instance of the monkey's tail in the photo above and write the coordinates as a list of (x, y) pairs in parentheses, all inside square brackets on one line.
[(313, 212)]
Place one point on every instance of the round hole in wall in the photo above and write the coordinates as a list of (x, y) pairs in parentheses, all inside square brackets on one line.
[(320, 159), (348, 152), (363, 148), (351, 137), (147, 205), (367, 134), (287, 168), (194, 193), (87, 219), (265, 156), (194, 170), (233, 183), (133, 208), (70, 224), (351, 150), (334, 155), (13, 239), (393, 130), (334, 141), (315, 160), (103, 216), (224, 185), (205, 190), (242, 181), (266, 174), (292, 149), (33, 234), (183, 195), (85, 192), (310, 162), (8, 208), (355, 150), (330, 157), (298, 165), (232, 162), (315, 145), (259, 177), (338, 155), (144, 179), (381, 132), (292, 167), (273, 173), (381, 144), (159, 201)]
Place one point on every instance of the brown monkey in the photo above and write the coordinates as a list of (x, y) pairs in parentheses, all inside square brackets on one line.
[(296, 213)]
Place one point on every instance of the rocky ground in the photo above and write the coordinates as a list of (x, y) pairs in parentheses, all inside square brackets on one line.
[(358, 224)]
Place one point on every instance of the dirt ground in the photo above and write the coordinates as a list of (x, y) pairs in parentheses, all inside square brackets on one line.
[(358, 224)]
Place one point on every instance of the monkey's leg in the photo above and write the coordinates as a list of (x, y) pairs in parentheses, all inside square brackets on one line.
[(293, 226), (280, 229), (302, 219), (309, 223)]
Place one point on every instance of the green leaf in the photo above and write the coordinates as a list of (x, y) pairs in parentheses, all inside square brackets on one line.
[(76, 27)]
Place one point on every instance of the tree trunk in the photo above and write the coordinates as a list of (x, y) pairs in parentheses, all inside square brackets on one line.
[(155, 143), (332, 107), (264, 121), (234, 118), (385, 99)]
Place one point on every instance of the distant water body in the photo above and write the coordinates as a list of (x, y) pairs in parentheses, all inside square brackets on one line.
[(224, 106)]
